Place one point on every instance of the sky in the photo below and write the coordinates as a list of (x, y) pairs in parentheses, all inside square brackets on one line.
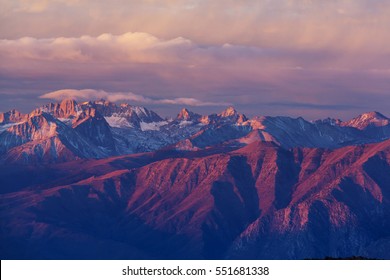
[(309, 58)]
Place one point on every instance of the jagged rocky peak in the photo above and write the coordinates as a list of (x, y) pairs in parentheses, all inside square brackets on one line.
[(186, 115), (69, 107), (92, 115), (90, 112), (37, 126), (43, 122), (373, 115), (241, 118), (11, 116), (38, 112), (40, 118), (231, 113), (228, 112), (107, 109), (368, 119), (205, 119), (87, 112), (91, 124)]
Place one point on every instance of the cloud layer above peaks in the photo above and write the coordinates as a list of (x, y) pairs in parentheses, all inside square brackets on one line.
[(314, 57), (293, 23), (91, 94)]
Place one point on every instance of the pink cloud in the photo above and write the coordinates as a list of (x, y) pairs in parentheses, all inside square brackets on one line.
[(91, 94), (243, 52)]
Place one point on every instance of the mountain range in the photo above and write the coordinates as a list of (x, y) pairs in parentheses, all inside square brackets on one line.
[(97, 180)]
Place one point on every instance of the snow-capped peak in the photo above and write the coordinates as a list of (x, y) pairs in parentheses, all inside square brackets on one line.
[(368, 119), (373, 116), (152, 126)]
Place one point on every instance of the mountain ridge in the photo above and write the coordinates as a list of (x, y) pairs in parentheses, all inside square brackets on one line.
[(126, 129)]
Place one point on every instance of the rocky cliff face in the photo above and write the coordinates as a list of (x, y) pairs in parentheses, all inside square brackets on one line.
[(124, 114), (42, 139), (12, 116), (67, 108), (95, 128)]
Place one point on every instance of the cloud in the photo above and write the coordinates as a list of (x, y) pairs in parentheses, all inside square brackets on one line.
[(248, 52), (336, 24), (38, 6), (135, 54), (129, 47), (162, 69), (91, 94)]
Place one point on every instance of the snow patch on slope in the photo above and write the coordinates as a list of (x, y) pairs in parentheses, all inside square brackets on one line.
[(115, 121), (6, 126), (185, 123), (152, 126), (67, 121)]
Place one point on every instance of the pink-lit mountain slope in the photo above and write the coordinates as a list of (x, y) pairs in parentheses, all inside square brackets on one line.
[(368, 119), (44, 139), (261, 201), (12, 116)]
